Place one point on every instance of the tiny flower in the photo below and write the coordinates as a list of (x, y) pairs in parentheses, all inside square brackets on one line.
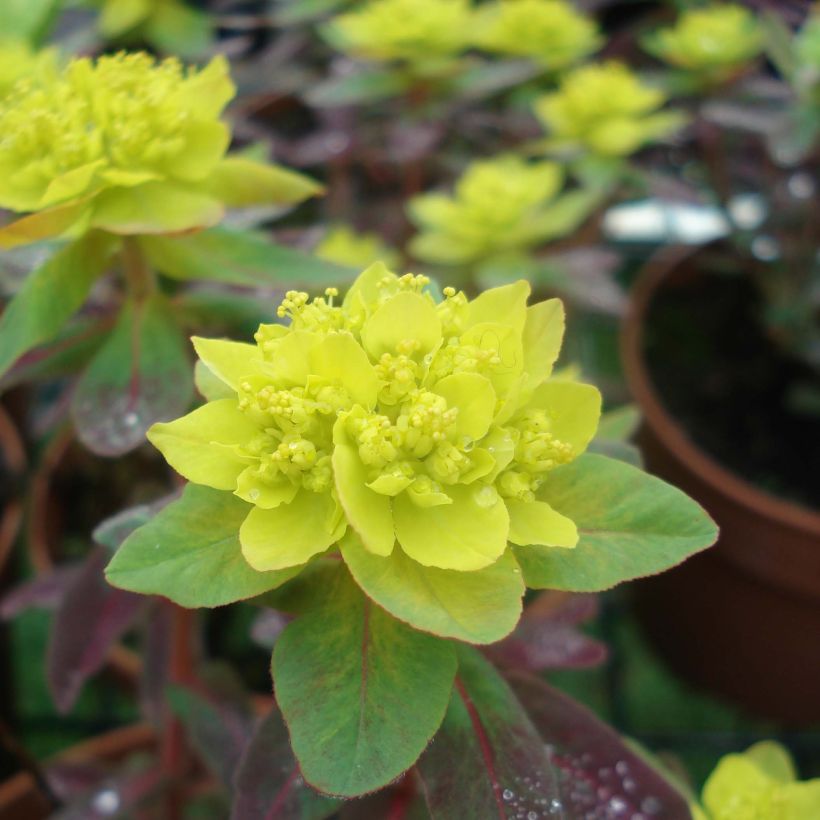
[(551, 32), (715, 40), (605, 109), (420, 426), (499, 205), (19, 60), (760, 783), (416, 32), (128, 145), (344, 246)]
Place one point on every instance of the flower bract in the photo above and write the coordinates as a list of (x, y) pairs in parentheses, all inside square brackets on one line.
[(605, 109), (551, 32), (421, 426), (716, 39), (499, 205), (343, 245), (129, 145), (760, 783)]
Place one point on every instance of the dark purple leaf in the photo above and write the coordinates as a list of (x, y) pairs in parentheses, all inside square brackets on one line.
[(602, 778), (114, 530), (267, 626), (42, 592), (546, 637), (404, 801), (218, 719), (91, 617), (268, 785), (115, 796), (142, 374), (488, 760)]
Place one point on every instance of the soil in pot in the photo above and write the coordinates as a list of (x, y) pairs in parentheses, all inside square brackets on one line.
[(731, 387)]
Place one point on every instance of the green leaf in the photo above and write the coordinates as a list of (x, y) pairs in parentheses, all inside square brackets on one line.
[(141, 375), (619, 424), (50, 295), (362, 694), (490, 78), (356, 89), (631, 524), (190, 553), (27, 19), (239, 258), (488, 760), (176, 28), (479, 607)]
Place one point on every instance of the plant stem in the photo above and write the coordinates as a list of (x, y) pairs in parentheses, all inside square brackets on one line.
[(181, 671), (139, 277)]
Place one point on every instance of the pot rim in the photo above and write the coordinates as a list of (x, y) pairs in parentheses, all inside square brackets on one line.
[(664, 425)]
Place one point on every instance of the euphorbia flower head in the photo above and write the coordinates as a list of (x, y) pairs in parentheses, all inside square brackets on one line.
[(130, 145), (414, 425), (18, 60), (551, 32), (716, 39), (499, 204), (605, 108), (413, 31)]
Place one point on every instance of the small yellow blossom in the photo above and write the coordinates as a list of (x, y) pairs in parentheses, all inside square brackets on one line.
[(18, 60), (605, 109), (344, 246), (551, 32)]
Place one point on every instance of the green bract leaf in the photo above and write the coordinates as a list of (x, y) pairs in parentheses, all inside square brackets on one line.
[(362, 694), (630, 524), (238, 257), (27, 19), (142, 374), (50, 295), (480, 607), (190, 553)]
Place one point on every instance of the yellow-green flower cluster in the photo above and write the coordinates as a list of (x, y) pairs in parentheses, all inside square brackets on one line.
[(760, 784), (129, 145), (551, 32), (499, 205), (716, 40), (19, 60), (417, 32), (344, 246), (420, 426), (605, 109)]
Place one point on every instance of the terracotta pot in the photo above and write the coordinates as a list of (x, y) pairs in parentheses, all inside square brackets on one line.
[(742, 619), (20, 798)]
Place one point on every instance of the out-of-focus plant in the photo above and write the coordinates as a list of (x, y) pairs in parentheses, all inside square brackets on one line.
[(761, 782), (353, 249), (605, 109), (172, 26), (714, 42), (424, 36), (18, 60), (123, 161), (395, 470), (499, 206), (550, 32)]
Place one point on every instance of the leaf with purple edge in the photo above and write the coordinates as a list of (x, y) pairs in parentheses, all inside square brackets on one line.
[(142, 374), (600, 773), (91, 617), (268, 784)]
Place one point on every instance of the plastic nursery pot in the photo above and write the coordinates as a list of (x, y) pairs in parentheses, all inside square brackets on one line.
[(741, 619), (20, 798)]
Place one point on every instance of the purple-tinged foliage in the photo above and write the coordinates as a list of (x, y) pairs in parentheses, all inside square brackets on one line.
[(89, 619), (601, 776), (42, 592)]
